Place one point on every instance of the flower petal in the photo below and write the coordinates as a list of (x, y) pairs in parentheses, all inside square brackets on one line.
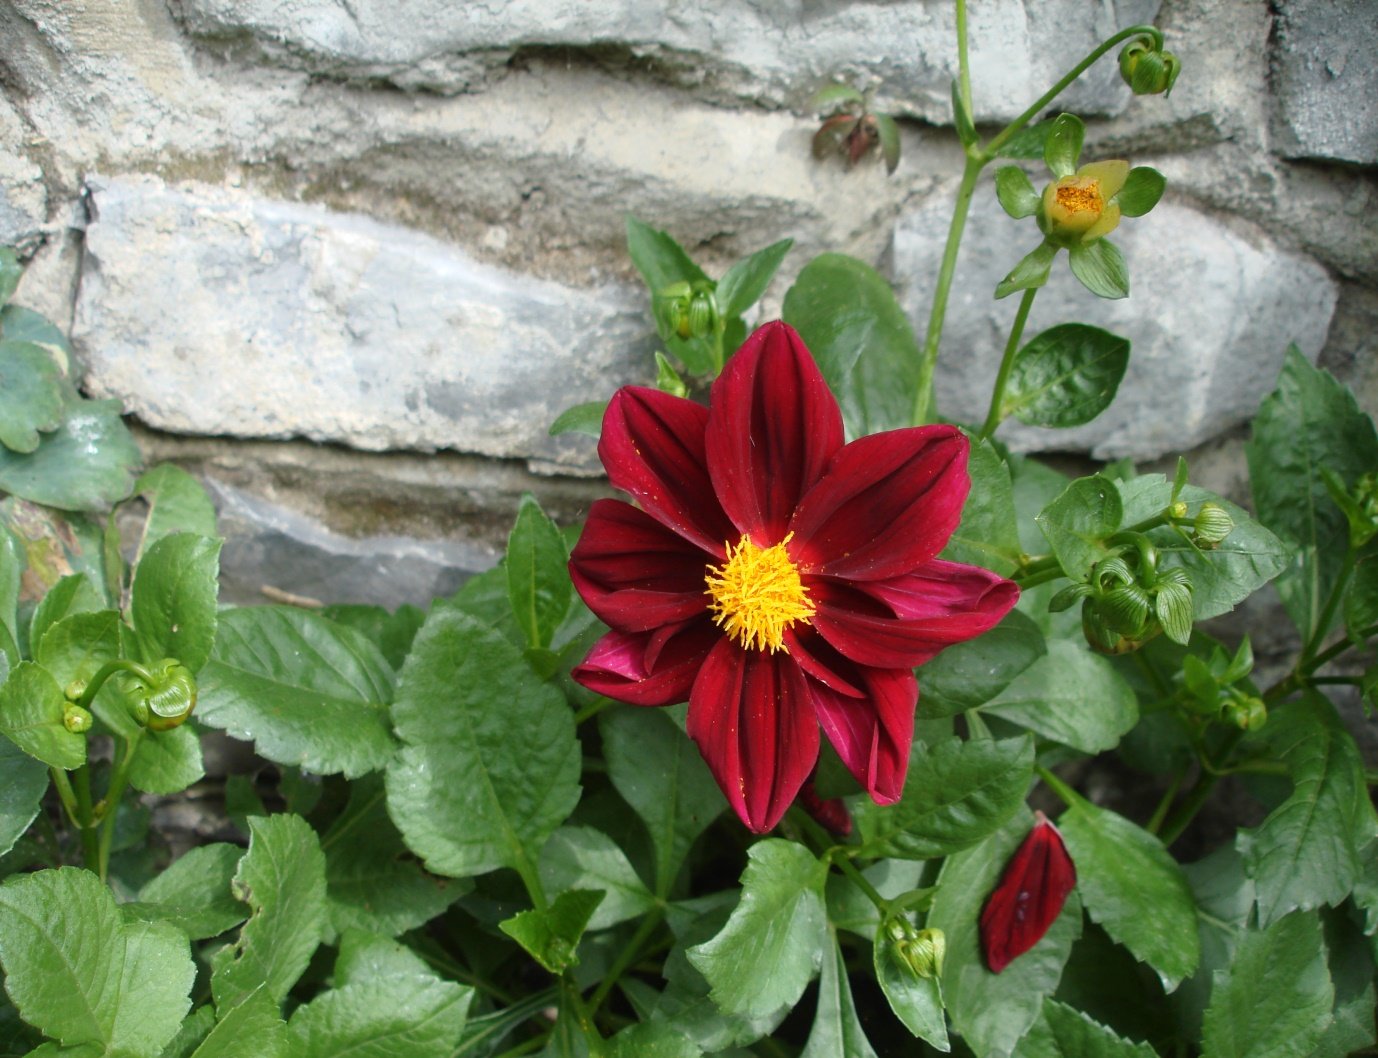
[(652, 446), (752, 715), (1029, 897), (872, 735), (935, 606), (647, 668), (634, 573), (886, 505), (772, 428)]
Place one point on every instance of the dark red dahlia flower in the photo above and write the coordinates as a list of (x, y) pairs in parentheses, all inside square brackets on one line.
[(775, 577), (1029, 897)]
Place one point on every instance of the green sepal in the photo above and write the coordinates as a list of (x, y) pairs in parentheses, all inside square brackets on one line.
[(1015, 192), (1063, 146), (1030, 272), (667, 381), (1141, 191), (1101, 268), (1172, 606), (551, 935)]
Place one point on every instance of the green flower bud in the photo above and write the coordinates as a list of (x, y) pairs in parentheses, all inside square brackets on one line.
[(674, 304), (75, 690), (171, 698), (920, 950), (1246, 713), (76, 719), (1210, 526), (1146, 70), (1126, 610), (1078, 209), (703, 313), (1178, 510)]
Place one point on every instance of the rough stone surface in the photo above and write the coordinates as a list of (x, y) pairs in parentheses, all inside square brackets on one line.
[(773, 53), (1326, 80), (1209, 322), (293, 321)]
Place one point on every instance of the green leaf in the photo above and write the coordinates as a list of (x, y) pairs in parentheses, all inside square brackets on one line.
[(836, 1031), (992, 1011), (661, 774), (1308, 423), (1101, 269), (194, 892), (176, 504), (538, 583), (1015, 192), (916, 1001), (10, 272), (1029, 142), (190, 1035), (861, 338), (1308, 851), (11, 570), (33, 394), (253, 1027), (18, 324), (1064, 1032), (23, 782), (1141, 191), (585, 858), (282, 879), (391, 632), (988, 535), (966, 131), (586, 418), (889, 134), (167, 762), (1071, 696), (836, 97), (308, 692), (1066, 376), (773, 944), (70, 595), (1062, 148), (745, 282), (81, 975), (972, 673), (1123, 869), (653, 1039), (1361, 600), (467, 796), (1077, 523), (955, 794), (394, 1016), (31, 710), (551, 934), (86, 464), (373, 883), (1274, 1001), (1031, 271), (661, 261), (173, 600)]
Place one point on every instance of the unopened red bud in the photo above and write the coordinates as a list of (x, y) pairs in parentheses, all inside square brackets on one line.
[(1029, 897)]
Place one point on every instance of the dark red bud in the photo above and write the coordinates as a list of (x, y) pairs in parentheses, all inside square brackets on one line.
[(831, 814), (1029, 897)]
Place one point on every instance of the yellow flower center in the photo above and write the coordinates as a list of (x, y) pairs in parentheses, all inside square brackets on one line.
[(757, 595), (1080, 196)]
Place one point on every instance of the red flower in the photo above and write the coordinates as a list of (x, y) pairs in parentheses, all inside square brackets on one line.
[(1029, 897), (775, 577)]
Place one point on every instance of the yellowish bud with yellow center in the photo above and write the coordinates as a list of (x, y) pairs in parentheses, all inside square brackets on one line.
[(757, 595), (1078, 208)]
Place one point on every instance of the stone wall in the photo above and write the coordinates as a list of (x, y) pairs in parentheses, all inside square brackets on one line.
[(347, 259)]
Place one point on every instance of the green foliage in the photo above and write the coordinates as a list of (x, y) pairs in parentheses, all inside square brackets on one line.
[(537, 582), (1100, 267), (551, 934), (1066, 376), (836, 1033)]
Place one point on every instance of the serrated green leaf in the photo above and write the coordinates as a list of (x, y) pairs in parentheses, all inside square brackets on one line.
[(1123, 869), (585, 858), (1070, 696), (916, 1001), (653, 1039), (1015, 191), (1066, 376), (1064, 1032), (1078, 522), (70, 595), (308, 692), (282, 879), (538, 584), (1031, 271), (389, 1017), (992, 1011), (1307, 852), (861, 338), (1062, 148), (955, 794), (1100, 267), (661, 774), (176, 504), (373, 883), (86, 464), (1142, 189), (1309, 422), (190, 1035), (988, 535), (772, 945), (661, 261), (23, 782), (551, 934), (173, 599), (391, 632), (745, 282), (82, 975), (836, 1032), (586, 418), (33, 394), (252, 1027), (970, 674), (194, 893), (1274, 1001), (31, 710), (466, 795)]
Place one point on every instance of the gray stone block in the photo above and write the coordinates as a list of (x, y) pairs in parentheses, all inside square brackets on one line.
[(1211, 312), (777, 53), (208, 311), (1326, 81)]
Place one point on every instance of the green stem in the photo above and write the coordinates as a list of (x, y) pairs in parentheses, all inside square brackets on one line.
[(592, 709), (1155, 822), (86, 818), (842, 860), (1198, 795), (1328, 612), (105, 672), (1065, 793), (531, 879), (629, 954), (1033, 578), (963, 61), (997, 397), (111, 804), (581, 1014), (63, 785)]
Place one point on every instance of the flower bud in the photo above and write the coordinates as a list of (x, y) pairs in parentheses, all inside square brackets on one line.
[(675, 303), (171, 698), (923, 953), (1029, 897), (1077, 209), (1126, 609), (1210, 526), (1246, 713), (703, 313), (75, 690), (76, 719), (1146, 70), (1178, 510), (667, 378)]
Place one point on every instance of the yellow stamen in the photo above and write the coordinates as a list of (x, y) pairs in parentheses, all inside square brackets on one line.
[(1080, 196), (757, 595)]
